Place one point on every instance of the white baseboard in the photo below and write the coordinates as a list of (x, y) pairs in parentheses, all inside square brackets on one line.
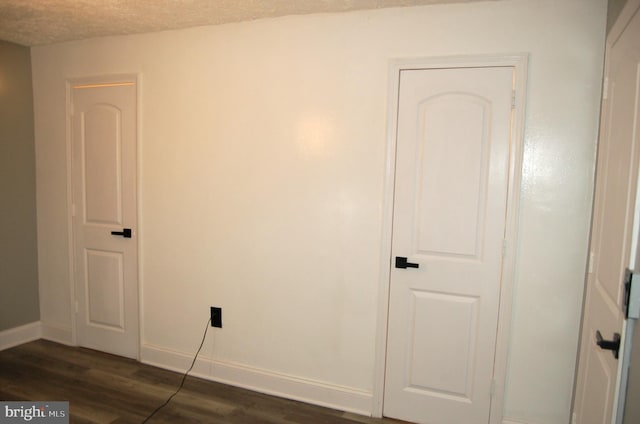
[(264, 381), (57, 333), (511, 421), (19, 335)]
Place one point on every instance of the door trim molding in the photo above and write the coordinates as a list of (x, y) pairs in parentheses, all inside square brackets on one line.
[(135, 79), (519, 61)]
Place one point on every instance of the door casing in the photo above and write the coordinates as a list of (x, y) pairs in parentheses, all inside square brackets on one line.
[(101, 80), (519, 63)]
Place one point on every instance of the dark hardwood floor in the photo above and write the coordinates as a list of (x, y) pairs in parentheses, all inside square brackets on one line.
[(103, 388)]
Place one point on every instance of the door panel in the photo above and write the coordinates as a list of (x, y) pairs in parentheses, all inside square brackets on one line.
[(104, 195), (442, 356), (599, 386), (451, 215), (105, 288), (101, 140), (613, 220), (452, 160)]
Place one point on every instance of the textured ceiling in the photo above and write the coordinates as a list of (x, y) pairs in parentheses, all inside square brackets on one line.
[(35, 22)]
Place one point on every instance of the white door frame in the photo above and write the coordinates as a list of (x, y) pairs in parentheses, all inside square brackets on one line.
[(99, 80), (519, 62)]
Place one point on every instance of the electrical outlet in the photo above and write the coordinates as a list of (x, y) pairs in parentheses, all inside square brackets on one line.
[(216, 317)]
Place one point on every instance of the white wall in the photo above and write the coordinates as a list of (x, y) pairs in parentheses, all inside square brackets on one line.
[(262, 173)]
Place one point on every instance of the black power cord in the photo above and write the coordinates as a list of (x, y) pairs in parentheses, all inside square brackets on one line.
[(184, 377)]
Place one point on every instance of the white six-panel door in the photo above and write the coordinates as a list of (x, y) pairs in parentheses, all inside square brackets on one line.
[(104, 132), (452, 173)]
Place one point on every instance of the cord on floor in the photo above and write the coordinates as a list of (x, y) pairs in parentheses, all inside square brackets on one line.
[(184, 377)]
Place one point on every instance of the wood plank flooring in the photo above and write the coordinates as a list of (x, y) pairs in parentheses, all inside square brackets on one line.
[(103, 388)]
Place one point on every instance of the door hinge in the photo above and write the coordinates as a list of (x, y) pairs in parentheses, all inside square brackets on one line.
[(504, 247), (590, 268), (513, 99), (605, 88)]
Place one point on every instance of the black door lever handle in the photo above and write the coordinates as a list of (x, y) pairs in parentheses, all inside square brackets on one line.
[(401, 262), (612, 345), (126, 233)]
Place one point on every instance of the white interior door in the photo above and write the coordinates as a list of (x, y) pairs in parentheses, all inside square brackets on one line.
[(612, 240), (103, 122), (452, 170)]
